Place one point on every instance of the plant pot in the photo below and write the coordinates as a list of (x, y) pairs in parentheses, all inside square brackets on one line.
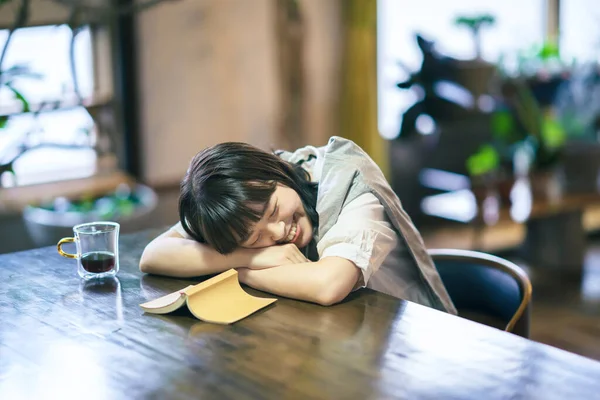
[(546, 184), (475, 76), (543, 88), (542, 185), (46, 227), (493, 186)]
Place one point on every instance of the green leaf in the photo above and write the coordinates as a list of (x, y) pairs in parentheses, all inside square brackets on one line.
[(488, 19), (3, 121), (548, 51), (553, 133), (485, 160), (20, 97), (474, 21), (464, 21)]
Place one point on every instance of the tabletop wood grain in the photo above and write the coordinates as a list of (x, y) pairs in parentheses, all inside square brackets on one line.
[(64, 338)]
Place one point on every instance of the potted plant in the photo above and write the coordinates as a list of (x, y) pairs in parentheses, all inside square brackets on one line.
[(520, 126), (128, 204), (540, 68), (578, 109), (485, 170), (474, 24)]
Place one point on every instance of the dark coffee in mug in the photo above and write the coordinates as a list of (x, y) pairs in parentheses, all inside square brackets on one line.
[(97, 246), (98, 261)]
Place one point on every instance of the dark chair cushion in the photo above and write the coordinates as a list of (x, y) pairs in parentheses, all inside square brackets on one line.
[(480, 290)]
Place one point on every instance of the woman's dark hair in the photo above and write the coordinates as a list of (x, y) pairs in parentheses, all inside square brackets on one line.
[(227, 189)]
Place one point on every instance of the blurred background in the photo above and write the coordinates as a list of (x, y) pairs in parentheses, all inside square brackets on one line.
[(484, 116)]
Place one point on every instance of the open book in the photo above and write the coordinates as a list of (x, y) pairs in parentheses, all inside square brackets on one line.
[(219, 299)]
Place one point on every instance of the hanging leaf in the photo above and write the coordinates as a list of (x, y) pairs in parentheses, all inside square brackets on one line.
[(3, 121), (20, 97)]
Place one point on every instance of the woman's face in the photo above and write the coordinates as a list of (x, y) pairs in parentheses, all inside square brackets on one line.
[(284, 221)]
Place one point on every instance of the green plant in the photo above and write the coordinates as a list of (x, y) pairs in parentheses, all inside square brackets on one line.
[(484, 162), (531, 125), (474, 24), (120, 203), (578, 104), (540, 59), (9, 76), (522, 124)]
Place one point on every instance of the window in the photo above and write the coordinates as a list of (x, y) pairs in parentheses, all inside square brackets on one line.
[(579, 30), (56, 138), (45, 50), (518, 25)]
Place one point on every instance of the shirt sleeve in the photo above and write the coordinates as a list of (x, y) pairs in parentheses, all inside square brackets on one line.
[(362, 234)]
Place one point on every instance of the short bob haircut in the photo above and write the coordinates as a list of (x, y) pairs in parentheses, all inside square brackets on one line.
[(227, 189)]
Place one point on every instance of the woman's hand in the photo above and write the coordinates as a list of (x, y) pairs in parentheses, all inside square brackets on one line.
[(275, 256)]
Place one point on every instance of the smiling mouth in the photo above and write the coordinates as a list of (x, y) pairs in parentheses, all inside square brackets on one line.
[(293, 233)]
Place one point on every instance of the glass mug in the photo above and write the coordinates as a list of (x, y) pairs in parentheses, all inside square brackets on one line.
[(97, 249)]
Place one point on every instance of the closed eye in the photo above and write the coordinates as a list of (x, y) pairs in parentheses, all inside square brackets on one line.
[(276, 208)]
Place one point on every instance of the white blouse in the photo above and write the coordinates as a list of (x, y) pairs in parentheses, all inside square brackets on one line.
[(362, 234)]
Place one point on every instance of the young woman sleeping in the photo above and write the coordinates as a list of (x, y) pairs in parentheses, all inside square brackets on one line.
[(312, 225)]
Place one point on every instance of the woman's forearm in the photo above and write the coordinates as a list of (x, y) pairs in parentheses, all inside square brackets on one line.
[(326, 282), (184, 258)]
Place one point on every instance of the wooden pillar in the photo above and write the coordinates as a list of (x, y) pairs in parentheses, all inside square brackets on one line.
[(289, 37), (358, 111), (552, 21)]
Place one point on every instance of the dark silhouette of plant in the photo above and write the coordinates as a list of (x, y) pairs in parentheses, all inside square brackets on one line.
[(435, 68)]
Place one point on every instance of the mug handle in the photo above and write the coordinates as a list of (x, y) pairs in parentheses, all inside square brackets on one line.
[(60, 250)]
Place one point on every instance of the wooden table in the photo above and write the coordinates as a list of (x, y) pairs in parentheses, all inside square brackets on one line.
[(63, 338)]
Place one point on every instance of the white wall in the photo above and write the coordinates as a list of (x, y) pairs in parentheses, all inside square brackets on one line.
[(323, 52), (207, 75)]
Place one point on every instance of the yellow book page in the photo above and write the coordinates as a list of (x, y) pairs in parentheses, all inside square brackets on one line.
[(223, 301)]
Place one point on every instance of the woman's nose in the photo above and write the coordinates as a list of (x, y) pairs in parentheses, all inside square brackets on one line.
[(277, 230)]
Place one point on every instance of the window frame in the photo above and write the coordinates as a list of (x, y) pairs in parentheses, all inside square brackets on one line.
[(114, 76)]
